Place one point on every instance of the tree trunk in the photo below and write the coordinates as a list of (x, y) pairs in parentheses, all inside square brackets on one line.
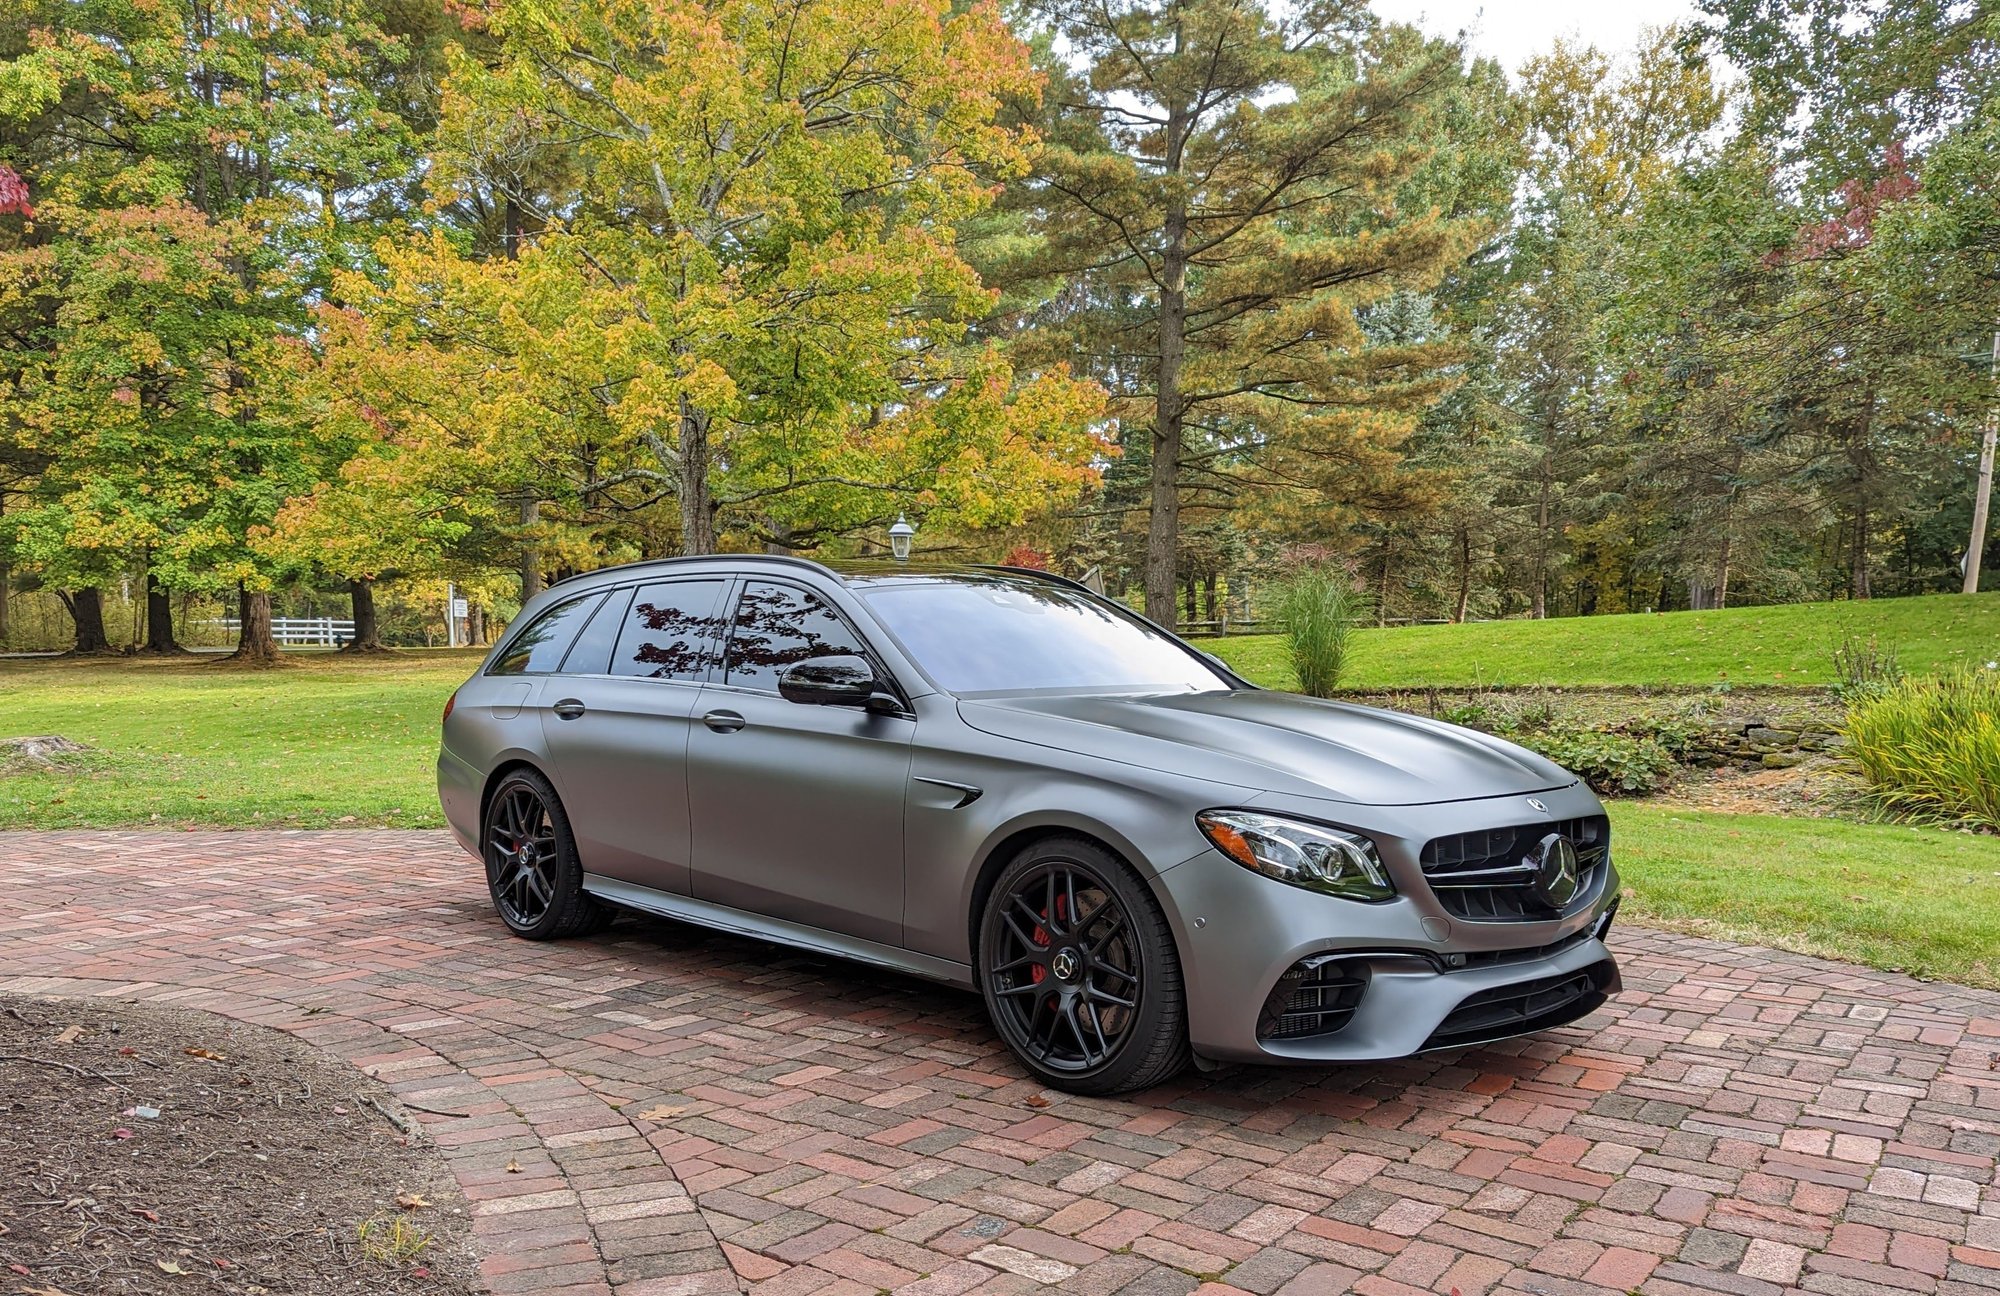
[(1464, 575), (1975, 549), (1722, 571), (6, 581), (1163, 524), (1857, 556), (475, 623), (160, 619), (697, 506), (531, 555), (1542, 513), (1208, 594), (1193, 607), (86, 609), (367, 631), (1382, 599), (255, 644)]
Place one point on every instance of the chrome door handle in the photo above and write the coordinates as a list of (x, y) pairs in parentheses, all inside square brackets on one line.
[(724, 721), (568, 708)]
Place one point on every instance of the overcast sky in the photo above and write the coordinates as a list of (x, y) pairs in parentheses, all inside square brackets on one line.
[(1510, 30)]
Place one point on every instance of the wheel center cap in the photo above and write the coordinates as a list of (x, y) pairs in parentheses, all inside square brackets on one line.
[(1065, 964)]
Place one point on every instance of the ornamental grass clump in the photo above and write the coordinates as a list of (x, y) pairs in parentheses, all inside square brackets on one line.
[(1318, 607), (1931, 746)]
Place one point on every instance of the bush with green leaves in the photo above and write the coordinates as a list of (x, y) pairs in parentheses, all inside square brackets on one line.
[(1930, 746), (1318, 608), (1612, 763)]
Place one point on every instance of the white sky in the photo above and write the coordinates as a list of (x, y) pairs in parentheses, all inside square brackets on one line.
[(1511, 30)]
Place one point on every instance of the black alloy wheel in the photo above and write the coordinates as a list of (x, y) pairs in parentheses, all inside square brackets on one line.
[(531, 862), (1079, 970)]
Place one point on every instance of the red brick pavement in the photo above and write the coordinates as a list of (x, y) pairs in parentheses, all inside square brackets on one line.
[(694, 1113)]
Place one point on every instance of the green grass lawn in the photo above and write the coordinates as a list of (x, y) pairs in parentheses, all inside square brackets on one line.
[(1916, 900), (323, 740), (1788, 644)]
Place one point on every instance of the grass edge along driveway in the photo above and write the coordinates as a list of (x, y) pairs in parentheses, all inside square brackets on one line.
[(1787, 644)]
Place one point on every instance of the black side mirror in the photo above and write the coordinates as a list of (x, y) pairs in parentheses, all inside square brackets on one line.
[(830, 681)]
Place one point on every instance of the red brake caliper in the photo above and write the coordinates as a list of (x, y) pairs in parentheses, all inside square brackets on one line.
[(1041, 938)]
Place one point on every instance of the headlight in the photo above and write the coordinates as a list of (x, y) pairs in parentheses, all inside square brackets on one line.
[(1306, 855)]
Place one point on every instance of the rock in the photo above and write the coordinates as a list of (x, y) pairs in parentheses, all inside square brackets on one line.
[(1782, 760), (1773, 737)]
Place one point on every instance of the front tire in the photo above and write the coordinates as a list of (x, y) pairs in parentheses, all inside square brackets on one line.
[(1079, 970), (532, 870)]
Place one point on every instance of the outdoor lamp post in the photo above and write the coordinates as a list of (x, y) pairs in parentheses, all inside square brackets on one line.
[(900, 536)]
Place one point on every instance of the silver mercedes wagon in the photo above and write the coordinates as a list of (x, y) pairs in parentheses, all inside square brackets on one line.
[(997, 779)]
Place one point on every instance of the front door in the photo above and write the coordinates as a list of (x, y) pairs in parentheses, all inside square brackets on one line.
[(615, 720), (798, 810)]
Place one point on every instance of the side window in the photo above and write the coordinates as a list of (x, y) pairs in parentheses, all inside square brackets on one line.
[(777, 626), (668, 629), (536, 650), (592, 653)]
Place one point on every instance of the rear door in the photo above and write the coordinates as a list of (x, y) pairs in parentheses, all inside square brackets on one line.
[(615, 721), (798, 810)]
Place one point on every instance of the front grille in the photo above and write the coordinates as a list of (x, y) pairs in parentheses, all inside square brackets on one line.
[(1315, 996), (1484, 876), (1529, 1006)]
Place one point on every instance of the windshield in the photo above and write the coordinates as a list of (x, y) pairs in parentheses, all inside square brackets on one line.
[(999, 636)]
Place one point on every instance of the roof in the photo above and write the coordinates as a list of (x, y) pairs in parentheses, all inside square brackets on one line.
[(847, 570)]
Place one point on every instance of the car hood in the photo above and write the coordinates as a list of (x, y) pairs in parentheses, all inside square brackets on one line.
[(1276, 742)]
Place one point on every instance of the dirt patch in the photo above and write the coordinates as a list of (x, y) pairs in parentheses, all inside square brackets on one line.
[(41, 754), (1821, 787), (157, 1150)]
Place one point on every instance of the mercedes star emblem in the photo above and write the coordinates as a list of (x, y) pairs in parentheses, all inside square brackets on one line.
[(1556, 874)]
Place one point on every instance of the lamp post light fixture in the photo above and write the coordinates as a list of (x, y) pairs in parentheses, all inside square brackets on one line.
[(900, 536)]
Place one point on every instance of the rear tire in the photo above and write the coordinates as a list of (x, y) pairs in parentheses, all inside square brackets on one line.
[(532, 870), (1079, 970)]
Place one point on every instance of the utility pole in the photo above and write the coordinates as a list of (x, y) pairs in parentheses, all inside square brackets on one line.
[(1982, 494)]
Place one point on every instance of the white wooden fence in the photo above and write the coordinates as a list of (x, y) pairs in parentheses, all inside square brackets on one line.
[(325, 632)]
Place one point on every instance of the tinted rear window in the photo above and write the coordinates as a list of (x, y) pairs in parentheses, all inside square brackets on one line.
[(667, 630), (538, 649)]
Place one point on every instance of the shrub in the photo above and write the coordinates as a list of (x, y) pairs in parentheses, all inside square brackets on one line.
[(1612, 763), (1931, 746), (1863, 670), (1318, 608)]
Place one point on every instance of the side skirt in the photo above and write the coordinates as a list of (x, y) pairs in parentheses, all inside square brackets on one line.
[(703, 913)]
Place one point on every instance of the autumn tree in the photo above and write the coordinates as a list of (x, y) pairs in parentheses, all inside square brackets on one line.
[(197, 171), (748, 302)]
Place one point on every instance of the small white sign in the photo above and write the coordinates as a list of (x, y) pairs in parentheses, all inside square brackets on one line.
[(458, 607)]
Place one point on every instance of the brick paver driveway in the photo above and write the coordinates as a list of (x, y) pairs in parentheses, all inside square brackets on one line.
[(693, 1113)]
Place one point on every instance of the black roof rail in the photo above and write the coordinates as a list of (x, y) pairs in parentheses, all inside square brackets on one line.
[(782, 560), (1039, 573)]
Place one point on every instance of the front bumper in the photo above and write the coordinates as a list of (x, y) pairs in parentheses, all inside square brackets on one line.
[(1416, 978)]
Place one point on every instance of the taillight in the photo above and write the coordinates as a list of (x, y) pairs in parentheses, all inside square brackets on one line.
[(449, 703)]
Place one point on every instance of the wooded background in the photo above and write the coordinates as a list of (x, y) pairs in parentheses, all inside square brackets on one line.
[(305, 298)]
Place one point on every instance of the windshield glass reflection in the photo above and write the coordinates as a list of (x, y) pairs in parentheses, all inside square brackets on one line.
[(999, 636)]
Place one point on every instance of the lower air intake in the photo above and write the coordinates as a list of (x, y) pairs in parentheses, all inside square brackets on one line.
[(1315, 996)]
